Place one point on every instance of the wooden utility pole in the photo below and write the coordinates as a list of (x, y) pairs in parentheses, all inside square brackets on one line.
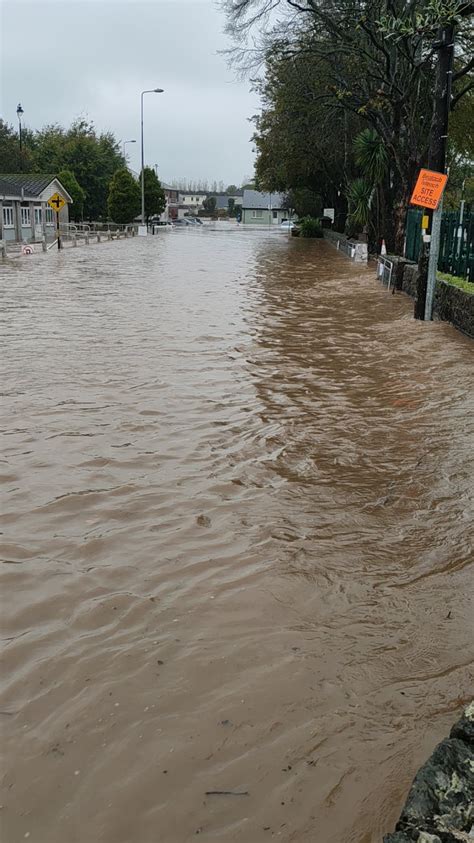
[(437, 157)]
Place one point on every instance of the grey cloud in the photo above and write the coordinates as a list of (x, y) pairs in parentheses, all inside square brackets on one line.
[(62, 59)]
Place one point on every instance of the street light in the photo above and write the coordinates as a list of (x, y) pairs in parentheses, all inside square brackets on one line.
[(151, 91), (19, 112), (123, 146)]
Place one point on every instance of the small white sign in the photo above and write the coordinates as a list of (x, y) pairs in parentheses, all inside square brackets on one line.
[(142, 232), (329, 212)]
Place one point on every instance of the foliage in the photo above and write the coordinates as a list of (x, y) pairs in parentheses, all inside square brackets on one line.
[(69, 181), (231, 207), (336, 67), (305, 202), (359, 195), (310, 227), (454, 281), (91, 157), (231, 189), (124, 197), (461, 154), (155, 200), (10, 159), (210, 203), (370, 155)]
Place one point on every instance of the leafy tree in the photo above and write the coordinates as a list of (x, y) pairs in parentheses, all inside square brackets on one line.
[(231, 189), (69, 181), (124, 197), (155, 200), (376, 62), (210, 203), (92, 158), (305, 202), (10, 159)]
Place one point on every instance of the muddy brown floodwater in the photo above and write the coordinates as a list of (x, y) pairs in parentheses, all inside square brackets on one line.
[(236, 534)]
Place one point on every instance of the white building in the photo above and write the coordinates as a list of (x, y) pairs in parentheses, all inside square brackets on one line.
[(190, 201), (25, 215)]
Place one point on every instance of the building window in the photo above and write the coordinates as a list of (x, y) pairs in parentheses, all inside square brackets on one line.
[(258, 214), (25, 216), (275, 215), (37, 216), (8, 217), (49, 216)]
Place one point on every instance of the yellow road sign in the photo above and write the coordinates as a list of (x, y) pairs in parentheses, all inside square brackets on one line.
[(56, 202)]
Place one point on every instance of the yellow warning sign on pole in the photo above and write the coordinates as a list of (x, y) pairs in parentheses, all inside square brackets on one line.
[(56, 202)]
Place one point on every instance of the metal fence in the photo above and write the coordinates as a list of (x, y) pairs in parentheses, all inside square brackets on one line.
[(456, 252), (385, 270)]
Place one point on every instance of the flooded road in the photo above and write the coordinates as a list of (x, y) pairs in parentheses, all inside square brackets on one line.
[(236, 534)]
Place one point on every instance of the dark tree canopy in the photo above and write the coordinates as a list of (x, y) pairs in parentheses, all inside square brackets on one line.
[(333, 67), (124, 197), (91, 157), (155, 200), (69, 181), (210, 204)]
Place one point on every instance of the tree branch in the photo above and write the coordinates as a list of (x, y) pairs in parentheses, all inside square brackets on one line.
[(461, 93), (459, 73)]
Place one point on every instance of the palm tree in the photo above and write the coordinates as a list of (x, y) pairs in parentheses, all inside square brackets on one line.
[(371, 156)]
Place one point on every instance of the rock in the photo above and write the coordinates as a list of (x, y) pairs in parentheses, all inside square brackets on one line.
[(439, 806), (464, 728)]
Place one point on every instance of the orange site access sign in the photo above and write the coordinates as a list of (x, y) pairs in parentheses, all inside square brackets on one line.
[(428, 189)]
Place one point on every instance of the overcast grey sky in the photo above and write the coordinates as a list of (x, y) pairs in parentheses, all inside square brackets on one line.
[(64, 58)]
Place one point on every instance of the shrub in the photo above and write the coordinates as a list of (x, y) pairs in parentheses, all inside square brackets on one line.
[(311, 227)]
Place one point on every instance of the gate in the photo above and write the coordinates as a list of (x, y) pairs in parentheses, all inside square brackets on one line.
[(456, 250)]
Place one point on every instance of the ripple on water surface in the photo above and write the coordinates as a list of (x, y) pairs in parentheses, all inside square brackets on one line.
[(236, 536)]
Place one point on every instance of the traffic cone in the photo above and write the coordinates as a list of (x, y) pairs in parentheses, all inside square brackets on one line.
[(383, 248)]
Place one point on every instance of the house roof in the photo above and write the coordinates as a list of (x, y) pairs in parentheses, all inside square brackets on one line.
[(29, 184), (255, 199)]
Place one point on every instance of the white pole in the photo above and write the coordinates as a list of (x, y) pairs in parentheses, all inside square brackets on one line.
[(143, 158), (149, 91), (433, 260)]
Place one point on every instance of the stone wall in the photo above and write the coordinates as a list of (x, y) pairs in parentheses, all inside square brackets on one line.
[(450, 303), (439, 807), (456, 306)]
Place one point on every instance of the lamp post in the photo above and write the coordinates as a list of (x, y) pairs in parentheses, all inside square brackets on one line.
[(124, 144), (19, 112), (151, 91)]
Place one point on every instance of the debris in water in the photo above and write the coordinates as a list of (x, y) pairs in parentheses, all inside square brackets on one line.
[(227, 793)]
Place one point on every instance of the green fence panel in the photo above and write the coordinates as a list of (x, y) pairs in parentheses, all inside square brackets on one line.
[(456, 251)]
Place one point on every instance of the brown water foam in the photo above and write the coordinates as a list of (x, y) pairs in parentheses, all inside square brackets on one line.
[(236, 533)]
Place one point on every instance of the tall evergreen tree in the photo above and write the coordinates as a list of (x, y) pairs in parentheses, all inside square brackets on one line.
[(155, 200), (124, 197)]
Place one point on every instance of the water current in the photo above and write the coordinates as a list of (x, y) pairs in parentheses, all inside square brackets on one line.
[(236, 534)]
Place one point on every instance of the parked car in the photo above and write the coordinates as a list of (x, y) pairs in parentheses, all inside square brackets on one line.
[(188, 221), (287, 225)]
